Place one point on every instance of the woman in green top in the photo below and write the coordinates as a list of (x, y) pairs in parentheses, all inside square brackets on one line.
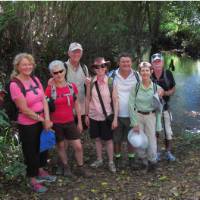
[(143, 116)]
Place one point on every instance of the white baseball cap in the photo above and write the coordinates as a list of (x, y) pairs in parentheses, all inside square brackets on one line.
[(74, 46), (156, 56)]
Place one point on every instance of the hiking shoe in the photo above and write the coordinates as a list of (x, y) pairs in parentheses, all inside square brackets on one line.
[(67, 171), (131, 162), (118, 163), (37, 187), (83, 171), (59, 170), (45, 177), (170, 156), (111, 167), (97, 163), (151, 167), (158, 156)]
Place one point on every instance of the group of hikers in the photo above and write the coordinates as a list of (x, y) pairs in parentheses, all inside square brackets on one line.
[(108, 106)]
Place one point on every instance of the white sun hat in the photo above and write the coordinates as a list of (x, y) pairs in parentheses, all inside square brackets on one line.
[(138, 140)]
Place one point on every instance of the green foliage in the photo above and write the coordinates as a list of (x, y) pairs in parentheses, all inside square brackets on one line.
[(11, 162), (4, 121), (45, 29)]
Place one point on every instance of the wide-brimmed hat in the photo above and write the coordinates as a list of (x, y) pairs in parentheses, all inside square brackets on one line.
[(74, 46), (100, 61), (156, 56)]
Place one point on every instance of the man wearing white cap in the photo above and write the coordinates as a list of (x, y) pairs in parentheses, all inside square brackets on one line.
[(165, 79), (77, 73)]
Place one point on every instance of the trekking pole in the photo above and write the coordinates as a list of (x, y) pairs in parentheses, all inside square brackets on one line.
[(164, 128)]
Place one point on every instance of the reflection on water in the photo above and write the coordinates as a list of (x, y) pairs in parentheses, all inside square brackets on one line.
[(187, 96)]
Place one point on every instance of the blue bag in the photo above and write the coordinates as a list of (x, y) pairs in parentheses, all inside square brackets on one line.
[(47, 140)]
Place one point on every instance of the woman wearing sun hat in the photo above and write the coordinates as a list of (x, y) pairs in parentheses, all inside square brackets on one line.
[(98, 107)]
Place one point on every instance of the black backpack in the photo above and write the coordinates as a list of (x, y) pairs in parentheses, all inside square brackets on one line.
[(9, 105)]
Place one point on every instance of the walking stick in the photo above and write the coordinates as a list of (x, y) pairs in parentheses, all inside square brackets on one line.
[(164, 128)]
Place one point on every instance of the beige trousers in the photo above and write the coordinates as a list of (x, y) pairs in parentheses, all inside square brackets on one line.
[(147, 124)]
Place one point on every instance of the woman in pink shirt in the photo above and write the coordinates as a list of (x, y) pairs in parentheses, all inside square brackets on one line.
[(65, 99), (96, 114), (32, 118)]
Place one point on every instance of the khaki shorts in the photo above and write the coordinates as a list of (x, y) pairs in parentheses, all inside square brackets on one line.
[(121, 132)]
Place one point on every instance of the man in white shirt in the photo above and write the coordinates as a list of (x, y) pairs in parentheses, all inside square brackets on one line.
[(124, 79)]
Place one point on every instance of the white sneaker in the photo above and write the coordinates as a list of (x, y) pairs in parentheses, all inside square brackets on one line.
[(111, 167), (97, 163)]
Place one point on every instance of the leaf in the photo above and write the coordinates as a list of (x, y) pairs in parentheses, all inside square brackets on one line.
[(93, 190), (139, 194), (104, 183), (163, 178)]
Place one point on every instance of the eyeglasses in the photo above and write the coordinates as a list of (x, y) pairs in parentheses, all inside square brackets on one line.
[(58, 72), (99, 66)]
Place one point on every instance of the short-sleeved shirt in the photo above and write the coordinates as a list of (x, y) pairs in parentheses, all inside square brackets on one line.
[(34, 101), (78, 77), (162, 83), (124, 86), (95, 108), (63, 108)]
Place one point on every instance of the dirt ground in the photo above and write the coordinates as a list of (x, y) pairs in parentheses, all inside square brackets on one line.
[(179, 180)]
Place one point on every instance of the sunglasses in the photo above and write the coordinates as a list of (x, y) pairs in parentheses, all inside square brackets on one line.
[(58, 72), (99, 66)]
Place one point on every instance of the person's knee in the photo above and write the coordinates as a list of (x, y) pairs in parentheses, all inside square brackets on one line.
[(109, 142), (61, 145), (78, 148)]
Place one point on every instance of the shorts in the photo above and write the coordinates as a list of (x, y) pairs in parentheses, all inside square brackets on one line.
[(83, 121), (120, 134), (167, 124), (100, 129), (66, 131)]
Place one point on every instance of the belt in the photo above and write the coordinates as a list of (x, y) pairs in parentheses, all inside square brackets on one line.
[(146, 113)]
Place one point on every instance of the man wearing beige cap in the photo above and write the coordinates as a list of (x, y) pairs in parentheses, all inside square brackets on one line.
[(77, 73)]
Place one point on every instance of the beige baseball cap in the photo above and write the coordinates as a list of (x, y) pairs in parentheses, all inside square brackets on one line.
[(74, 46)]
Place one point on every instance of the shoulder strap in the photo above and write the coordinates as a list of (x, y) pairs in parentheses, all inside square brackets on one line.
[(100, 99), (53, 92), (71, 89), (20, 85), (35, 81), (137, 88), (84, 68), (111, 81), (166, 79), (91, 86), (66, 67), (154, 87), (137, 76)]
